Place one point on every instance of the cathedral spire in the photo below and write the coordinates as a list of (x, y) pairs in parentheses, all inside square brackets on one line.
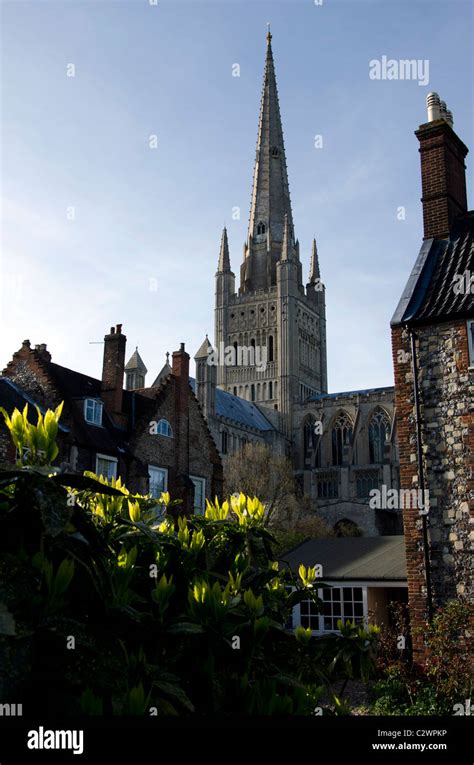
[(270, 200), (224, 259), (314, 273)]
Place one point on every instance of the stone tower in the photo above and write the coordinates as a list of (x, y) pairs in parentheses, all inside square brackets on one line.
[(205, 380), (276, 326)]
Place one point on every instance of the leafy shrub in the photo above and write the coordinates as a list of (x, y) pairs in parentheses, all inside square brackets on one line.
[(112, 611), (445, 679)]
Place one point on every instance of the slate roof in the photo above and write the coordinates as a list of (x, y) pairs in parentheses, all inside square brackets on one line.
[(364, 392), (12, 397), (429, 294), (353, 558), (239, 410)]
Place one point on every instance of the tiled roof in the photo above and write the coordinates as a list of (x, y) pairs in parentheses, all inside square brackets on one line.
[(239, 410), (353, 558), (430, 293)]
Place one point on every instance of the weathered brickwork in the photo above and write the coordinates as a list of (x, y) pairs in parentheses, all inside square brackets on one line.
[(127, 433)]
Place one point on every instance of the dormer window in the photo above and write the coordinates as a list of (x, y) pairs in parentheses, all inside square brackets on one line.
[(93, 411), (163, 428), (260, 228)]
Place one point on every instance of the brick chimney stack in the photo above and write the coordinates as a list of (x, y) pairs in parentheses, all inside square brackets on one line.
[(180, 371), (113, 371), (443, 176), (42, 352)]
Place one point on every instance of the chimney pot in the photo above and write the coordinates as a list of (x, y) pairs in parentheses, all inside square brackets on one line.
[(119, 329), (433, 106), (182, 347), (112, 330), (26, 344)]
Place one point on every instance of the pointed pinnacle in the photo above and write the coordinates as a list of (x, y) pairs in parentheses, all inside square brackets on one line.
[(224, 260), (314, 264), (286, 246)]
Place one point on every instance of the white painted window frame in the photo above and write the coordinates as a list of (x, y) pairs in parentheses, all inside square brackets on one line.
[(97, 404), (202, 480), (108, 458), (162, 470)]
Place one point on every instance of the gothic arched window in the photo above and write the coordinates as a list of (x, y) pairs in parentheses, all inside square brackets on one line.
[(260, 228), (341, 437), (311, 445), (379, 433), (224, 444)]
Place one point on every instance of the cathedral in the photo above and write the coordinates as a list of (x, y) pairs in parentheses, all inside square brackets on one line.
[(265, 378)]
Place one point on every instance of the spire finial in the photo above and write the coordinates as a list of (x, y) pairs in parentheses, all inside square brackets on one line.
[(167, 357), (269, 34)]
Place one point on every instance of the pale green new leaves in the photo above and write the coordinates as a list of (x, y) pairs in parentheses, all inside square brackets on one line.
[(36, 444), (307, 575)]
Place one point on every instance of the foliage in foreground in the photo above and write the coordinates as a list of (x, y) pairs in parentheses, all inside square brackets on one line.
[(445, 680), (106, 610)]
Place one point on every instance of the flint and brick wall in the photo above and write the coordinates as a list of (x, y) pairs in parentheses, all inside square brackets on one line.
[(446, 388)]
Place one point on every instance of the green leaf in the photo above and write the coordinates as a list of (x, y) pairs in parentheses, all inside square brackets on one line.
[(186, 628), (175, 692)]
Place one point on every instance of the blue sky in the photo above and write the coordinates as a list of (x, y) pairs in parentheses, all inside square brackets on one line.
[(142, 249)]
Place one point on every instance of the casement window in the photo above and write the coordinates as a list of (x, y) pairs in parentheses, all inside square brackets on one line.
[(106, 466), (345, 603), (158, 483), (163, 428), (199, 494), (470, 340), (158, 480), (93, 411)]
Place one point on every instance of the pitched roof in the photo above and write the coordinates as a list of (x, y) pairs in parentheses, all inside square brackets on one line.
[(202, 352), (12, 397), (136, 362), (163, 374), (353, 558), (430, 293), (241, 411)]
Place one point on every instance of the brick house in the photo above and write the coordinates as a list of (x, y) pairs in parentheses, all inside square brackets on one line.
[(433, 356), (155, 438)]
